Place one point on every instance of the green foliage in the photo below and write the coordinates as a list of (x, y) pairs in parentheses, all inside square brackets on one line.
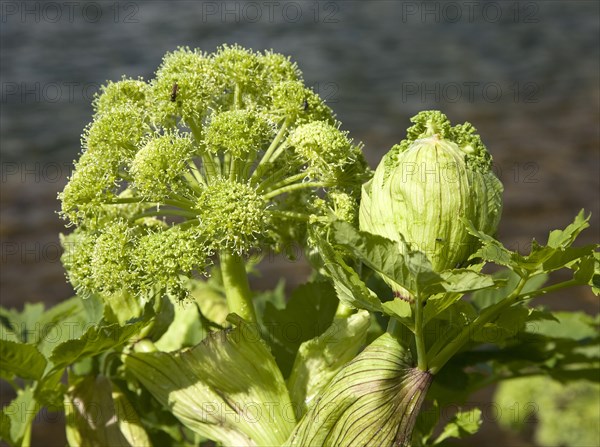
[(98, 414), (463, 423), (564, 414), (307, 314), (320, 359), (227, 388), (363, 402)]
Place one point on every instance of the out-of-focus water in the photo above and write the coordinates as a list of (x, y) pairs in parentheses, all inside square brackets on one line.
[(526, 74)]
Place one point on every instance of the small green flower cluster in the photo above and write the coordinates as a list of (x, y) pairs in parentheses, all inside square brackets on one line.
[(224, 152)]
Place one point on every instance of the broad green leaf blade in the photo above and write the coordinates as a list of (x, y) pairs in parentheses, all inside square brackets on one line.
[(21, 360), (438, 304), (308, 313), (319, 360), (186, 329), (21, 326), (565, 238), (18, 415), (463, 424), (96, 340), (210, 297), (464, 280), (505, 326), (349, 287), (509, 280), (46, 329), (380, 254), (563, 257), (90, 413), (374, 400), (65, 321), (401, 310), (228, 388)]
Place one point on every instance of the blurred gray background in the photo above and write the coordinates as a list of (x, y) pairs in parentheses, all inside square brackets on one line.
[(526, 74)]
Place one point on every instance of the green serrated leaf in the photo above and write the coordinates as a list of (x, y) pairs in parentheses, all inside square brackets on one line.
[(21, 360), (585, 270), (96, 340), (464, 280), (564, 238), (21, 326), (17, 417), (557, 254), (319, 360), (378, 253), (227, 388), (506, 326), (563, 257), (509, 280), (65, 321), (401, 267), (349, 287), (463, 424), (491, 249), (401, 310)]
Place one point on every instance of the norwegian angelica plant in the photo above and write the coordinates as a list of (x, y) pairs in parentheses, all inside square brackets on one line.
[(219, 155)]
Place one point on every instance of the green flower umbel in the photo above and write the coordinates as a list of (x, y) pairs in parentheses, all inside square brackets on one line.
[(220, 154), (427, 185)]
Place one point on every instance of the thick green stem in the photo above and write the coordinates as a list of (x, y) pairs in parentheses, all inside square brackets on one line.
[(545, 290), (196, 173), (26, 442), (210, 168), (237, 289), (484, 317), (292, 179), (267, 156), (419, 337)]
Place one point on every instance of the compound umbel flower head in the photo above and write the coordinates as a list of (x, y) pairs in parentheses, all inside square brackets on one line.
[(220, 153), (427, 185)]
